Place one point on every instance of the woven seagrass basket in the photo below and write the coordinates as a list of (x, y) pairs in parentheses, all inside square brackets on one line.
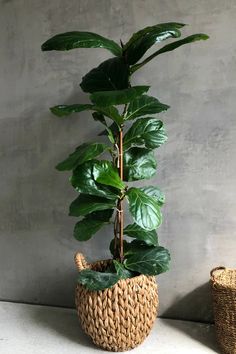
[(119, 318), (223, 285)]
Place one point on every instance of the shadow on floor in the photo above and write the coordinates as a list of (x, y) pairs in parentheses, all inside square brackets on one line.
[(65, 322), (195, 306)]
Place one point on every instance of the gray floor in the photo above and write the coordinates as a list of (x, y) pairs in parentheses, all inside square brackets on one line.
[(32, 329)]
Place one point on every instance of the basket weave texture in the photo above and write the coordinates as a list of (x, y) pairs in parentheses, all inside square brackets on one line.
[(223, 285), (119, 318)]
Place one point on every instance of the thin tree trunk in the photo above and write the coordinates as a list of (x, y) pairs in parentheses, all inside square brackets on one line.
[(121, 209)]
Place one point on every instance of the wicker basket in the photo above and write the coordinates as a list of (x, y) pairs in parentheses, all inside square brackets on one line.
[(223, 284), (119, 318)]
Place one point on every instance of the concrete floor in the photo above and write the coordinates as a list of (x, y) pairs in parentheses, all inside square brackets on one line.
[(32, 329)]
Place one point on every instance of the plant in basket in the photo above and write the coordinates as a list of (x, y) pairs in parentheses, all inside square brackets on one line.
[(117, 299)]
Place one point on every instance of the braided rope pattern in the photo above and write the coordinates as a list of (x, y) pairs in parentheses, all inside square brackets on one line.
[(223, 285), (119, 318)]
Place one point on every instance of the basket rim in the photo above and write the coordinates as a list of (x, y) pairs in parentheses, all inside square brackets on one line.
[(216, 279)]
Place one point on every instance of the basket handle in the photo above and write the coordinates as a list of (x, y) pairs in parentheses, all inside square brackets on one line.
[(215, 269), (80, 262)]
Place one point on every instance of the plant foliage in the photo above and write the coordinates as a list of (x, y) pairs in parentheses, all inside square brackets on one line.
[(133, 133)]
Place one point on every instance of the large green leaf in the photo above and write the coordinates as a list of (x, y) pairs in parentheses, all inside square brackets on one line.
[(103, 215), (112, 130), (144, 209), (65, 110), (170, 47), (135, 231), (83, 153), (139, 163), (145, 131), (86, 228), (85, 204), (142, 40), (104, 172), (96, 281), (83, 181), (112, 74), (76, 39), (144, 105), (155, 193), (121, 271), (117, 97), (152, 261)]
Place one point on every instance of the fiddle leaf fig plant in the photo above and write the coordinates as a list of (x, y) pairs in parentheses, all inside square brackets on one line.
[(128, 115)]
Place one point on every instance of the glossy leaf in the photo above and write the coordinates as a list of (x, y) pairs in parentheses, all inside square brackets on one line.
[(86, 228), (135, 231), (170, 47), (96, 281), (78, 39), (83, 181), (141, 41), (152, 261), (139, 163), (112, 129), (144, 209), (103, 215), (110, 112), (83, 153), (85, 204), (66, 110), (97, 116), (105, 173), (145, 131), (121, 271), (117, 97), (143, 106), (155, 193), (112, 74)]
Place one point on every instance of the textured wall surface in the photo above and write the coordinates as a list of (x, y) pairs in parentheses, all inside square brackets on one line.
[(197, 167)]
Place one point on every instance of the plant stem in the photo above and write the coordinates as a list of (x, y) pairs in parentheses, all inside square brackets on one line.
[(120, 207)]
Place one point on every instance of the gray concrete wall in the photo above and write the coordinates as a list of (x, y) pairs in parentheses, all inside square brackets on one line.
[(197, 167)]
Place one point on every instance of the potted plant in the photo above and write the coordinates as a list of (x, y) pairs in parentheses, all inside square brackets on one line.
[(117, 299)]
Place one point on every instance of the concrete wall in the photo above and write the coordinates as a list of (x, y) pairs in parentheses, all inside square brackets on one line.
[(197, 167)]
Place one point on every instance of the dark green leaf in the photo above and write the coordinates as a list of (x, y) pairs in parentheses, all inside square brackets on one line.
[(135, 231), (112, 129), (83, 181), (155, 193), (83, 153), (112, 74), (144, 209), (86, 204), (76, 39), (116, 97), (97, 116), (110, 112), (103, 215), (141, 41), (170, 47), (143, 106), (105, 173), (126, 246), (139, 163), (145, 131), (152, 261), (121, 271), (86, 228), (66, 110), (96, 281)]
